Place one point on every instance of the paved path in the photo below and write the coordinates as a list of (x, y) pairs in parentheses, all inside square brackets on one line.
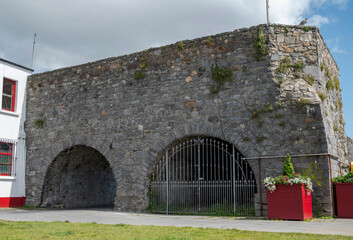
[(107, 216)]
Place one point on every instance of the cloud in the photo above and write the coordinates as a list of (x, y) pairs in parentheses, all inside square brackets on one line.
[(336, 47), (79, 31), (318, 20), (342, 4)]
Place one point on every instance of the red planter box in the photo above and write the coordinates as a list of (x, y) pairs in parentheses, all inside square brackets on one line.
[(344, 200), (289, 203)]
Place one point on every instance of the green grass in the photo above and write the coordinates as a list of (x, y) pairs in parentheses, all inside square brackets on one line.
[(62, 230)]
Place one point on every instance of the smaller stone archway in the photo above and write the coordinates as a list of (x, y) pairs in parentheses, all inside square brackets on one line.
[(79, 176)]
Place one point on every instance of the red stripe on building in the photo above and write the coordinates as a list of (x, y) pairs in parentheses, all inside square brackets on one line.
[(6, 202)]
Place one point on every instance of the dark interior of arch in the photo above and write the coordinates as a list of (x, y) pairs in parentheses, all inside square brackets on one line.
[(79, 177)]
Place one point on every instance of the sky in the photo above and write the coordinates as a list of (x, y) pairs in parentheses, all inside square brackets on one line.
[(72, 32)]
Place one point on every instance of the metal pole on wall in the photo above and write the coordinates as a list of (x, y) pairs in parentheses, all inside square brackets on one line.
[(332, 197), (267, 13)]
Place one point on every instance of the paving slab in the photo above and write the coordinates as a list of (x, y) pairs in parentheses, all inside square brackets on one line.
[(108, 216)]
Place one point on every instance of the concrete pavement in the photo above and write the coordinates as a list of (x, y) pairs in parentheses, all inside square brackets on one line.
[(108, 216)]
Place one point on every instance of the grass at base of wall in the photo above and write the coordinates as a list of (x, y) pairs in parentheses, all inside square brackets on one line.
[(67, 230)]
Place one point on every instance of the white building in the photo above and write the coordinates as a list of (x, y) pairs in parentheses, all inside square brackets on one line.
[(13, 78)]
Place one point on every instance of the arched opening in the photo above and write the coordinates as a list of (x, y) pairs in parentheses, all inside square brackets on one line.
[(202, 175), (79, 176)]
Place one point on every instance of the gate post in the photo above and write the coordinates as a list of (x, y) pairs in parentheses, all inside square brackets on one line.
[(167, 179)]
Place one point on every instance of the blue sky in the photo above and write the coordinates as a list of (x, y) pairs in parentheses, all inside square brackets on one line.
[(72, 32), (338, 34)]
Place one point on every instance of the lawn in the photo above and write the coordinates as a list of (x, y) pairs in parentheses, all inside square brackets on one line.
[(66, 230)]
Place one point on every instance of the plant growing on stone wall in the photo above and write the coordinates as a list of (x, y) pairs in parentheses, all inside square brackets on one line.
[(181, 45), (286, 29), (330, 85), (322, 96), (335, 128), (339, 104), (138, 75), (303, 102), (306, 28), (327, 72), (220, 75), (283, 66), (280, 104), (280, 81), (298, 65), (39, 123), (209, 41), (341, 121), (259, 44), (336, 83), (314, 173), (260, 138), (322, 67), (309, 79), (143, 65), (267, 107)]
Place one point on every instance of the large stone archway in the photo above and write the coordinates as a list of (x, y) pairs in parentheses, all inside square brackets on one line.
[(79, 176)]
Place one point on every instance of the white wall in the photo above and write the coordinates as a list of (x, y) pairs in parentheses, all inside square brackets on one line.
[(12, 127)]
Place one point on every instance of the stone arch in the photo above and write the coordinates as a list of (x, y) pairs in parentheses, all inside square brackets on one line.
[(79, 176), (233, 136)]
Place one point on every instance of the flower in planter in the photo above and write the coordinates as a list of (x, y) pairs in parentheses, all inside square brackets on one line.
[(289, 177)]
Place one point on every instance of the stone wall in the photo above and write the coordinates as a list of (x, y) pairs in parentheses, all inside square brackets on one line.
[(130, 108)]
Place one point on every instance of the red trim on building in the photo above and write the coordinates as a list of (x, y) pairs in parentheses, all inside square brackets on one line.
[(6, 202), (11, 157), (13, 95)]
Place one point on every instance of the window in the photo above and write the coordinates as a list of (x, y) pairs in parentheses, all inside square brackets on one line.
[(6, 153), (8, 95)]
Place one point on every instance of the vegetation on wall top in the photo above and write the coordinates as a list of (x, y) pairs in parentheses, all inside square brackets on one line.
[(259, 44)]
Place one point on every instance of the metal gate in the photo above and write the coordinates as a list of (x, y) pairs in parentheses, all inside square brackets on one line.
[(202, 175)]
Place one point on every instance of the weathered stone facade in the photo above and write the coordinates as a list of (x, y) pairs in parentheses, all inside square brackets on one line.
[(130, 108)]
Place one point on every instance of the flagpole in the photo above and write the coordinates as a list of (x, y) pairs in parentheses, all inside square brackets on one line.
[(34, 42), (268, 17)]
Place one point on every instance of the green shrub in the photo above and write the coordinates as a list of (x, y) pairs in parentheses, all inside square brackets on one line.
[(221, 74), (348, 178), (298, 65), (330, 85), (336, 83), (181, 46), (306, 28), (267, 107), (39, 123), (259, 44), (288, 169)]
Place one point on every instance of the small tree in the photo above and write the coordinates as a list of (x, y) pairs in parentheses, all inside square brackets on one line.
[(288, 169)]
